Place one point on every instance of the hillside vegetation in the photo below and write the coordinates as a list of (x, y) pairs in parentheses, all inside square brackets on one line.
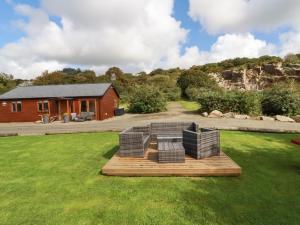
[(209, 83)]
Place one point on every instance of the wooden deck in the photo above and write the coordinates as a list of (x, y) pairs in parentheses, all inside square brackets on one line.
[(148, 166)]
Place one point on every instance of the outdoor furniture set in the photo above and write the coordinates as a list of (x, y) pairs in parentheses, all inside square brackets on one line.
[(174, 140)]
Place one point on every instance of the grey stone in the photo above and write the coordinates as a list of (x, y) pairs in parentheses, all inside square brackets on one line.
[(296, 118), (229, 115), (205, 114), (215, 114), (284, 118)]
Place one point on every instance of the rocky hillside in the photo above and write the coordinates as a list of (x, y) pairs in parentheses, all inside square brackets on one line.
[(257, 77)]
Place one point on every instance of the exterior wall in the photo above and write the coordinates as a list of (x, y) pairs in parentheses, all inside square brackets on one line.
[(108, 103), (29, 111), (104, 106)]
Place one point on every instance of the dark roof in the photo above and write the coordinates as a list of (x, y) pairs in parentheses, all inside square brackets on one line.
[(57, 91)]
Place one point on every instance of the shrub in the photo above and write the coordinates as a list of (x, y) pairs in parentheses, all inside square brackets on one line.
[(171, 93), (147, 99), (211, 101), (281, 99), (192, 93), (231, 101)]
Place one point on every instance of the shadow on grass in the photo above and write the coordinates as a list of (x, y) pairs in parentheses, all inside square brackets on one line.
[(267, 191), (109, 154)]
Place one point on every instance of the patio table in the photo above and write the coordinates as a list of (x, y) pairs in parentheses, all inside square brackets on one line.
[(170, 149)]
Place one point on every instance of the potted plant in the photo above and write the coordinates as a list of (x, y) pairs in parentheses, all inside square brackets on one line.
[(66, 117)]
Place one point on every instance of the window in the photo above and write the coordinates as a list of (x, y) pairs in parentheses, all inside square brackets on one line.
[(83, 106), (46, 106), (92, 105), (17, 106), (43, 106)]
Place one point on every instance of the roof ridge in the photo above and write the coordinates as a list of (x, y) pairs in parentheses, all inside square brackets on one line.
[(61, 90), (58, 85)]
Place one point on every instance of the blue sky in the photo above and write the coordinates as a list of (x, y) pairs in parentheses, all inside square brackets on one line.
[(197, 36), (209, 31)]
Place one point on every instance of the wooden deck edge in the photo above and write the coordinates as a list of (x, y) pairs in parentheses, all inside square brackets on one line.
[(233, 172), (147, 174)]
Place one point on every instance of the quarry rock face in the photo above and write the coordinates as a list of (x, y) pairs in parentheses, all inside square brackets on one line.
[(256, 78)]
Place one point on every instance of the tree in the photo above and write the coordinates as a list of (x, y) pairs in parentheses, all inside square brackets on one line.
[(114, 73), (46, 78), (194, 77), (87, 76), (292, 58), (7, 82)]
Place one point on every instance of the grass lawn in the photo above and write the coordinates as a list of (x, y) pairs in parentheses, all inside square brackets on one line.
[(189, 105), (55, 180)]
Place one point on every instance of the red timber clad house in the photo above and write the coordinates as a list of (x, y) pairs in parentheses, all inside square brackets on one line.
[(28, 104)]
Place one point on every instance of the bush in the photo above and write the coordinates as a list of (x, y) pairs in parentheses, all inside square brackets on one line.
[(172, 93), (147, 99), (194, 93), (281, 99), (231, 101)]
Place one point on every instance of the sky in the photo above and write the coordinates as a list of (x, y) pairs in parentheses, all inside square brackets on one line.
[(141, 35)]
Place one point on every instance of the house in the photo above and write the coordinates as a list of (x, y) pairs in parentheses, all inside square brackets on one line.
[(28, 104)]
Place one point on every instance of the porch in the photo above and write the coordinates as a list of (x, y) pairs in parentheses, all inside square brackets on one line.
[(61, 106)]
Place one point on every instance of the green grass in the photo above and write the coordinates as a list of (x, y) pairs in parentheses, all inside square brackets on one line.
[(55, 180), (189, 105)]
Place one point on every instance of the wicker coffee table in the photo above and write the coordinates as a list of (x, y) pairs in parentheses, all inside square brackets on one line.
[(170, 150)]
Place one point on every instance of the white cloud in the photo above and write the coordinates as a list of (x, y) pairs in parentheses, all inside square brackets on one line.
[(227, 46), (235, 16), (135, 34), (290, 42)]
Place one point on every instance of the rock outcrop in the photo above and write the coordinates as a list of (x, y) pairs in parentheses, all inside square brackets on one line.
[(257, 77)]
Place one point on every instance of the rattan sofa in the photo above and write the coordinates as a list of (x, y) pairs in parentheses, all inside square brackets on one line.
[(171, 128), (134, 141), (201, 144)]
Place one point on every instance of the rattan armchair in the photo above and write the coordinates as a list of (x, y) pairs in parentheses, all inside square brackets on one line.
[(134, 141), (201, 144)]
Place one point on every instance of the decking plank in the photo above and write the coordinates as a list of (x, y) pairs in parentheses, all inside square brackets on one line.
[(148, 166)]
